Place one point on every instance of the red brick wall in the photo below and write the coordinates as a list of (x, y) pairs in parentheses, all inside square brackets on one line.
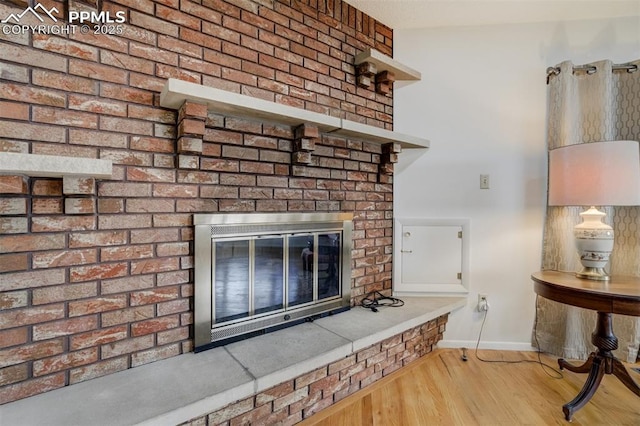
[(292, 401), (98, 278)]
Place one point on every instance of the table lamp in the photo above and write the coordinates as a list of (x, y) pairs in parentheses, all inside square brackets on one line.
[(595, 174)]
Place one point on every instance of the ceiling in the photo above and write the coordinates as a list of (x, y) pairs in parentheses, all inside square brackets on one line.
[(405, 14)]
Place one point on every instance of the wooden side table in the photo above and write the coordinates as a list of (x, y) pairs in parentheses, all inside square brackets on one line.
[(620, 295)]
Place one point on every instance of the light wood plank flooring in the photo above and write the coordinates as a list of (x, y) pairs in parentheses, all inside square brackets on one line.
[(442, 389)]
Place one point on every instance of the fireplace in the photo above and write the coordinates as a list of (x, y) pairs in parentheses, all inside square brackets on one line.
[(256, 273)]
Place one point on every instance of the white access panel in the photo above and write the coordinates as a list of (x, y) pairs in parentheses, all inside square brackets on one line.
[(430, 256)]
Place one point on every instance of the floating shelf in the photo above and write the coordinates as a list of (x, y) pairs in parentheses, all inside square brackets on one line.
[(352, 129), (386, 63), (176, 92), (53, 166)]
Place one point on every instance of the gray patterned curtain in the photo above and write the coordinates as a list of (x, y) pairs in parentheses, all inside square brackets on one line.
[(589, 104)]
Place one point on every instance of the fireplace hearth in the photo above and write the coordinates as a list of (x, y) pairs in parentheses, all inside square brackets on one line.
[(256, 273)]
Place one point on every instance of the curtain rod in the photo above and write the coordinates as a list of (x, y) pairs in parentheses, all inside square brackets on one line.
[(591, 69)]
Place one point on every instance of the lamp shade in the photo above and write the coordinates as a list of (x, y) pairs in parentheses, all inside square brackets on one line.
[(595, 174)]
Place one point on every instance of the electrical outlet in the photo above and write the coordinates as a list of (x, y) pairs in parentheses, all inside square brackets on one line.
[(483, 302), (484, 181)]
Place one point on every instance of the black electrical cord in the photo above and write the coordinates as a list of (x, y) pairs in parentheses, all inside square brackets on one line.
[(557, 375), (375, 299)]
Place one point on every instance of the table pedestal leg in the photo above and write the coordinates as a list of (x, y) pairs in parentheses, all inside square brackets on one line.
[(621, 373), (599, 363), (593, 381), (584, 368)]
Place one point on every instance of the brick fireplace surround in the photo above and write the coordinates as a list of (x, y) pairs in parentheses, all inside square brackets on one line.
[(96, 275)]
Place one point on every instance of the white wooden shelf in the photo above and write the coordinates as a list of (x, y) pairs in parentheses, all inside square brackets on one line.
[(53, 166), (176, 92), (352, 129), (386, 63)]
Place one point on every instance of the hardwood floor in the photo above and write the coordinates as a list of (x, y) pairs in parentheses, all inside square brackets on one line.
[(443, 389)]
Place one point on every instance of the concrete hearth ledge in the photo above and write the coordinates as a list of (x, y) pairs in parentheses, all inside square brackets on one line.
[(177, 389)]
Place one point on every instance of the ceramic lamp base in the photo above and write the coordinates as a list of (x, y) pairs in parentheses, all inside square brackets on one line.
[(594, 242)]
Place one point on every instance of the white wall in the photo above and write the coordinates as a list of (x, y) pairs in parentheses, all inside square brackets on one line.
[(482, 104)]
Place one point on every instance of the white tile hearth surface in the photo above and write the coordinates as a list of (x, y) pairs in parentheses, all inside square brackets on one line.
[(177, 389)]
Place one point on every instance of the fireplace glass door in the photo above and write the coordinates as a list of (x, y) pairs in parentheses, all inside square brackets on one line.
[(250, 277), (300, 288), (256, 273)]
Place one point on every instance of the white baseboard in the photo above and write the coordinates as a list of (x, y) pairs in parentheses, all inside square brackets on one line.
[(502, 346)]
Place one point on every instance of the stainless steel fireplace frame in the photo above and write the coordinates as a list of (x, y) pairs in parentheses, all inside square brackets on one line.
[(212, 227)]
